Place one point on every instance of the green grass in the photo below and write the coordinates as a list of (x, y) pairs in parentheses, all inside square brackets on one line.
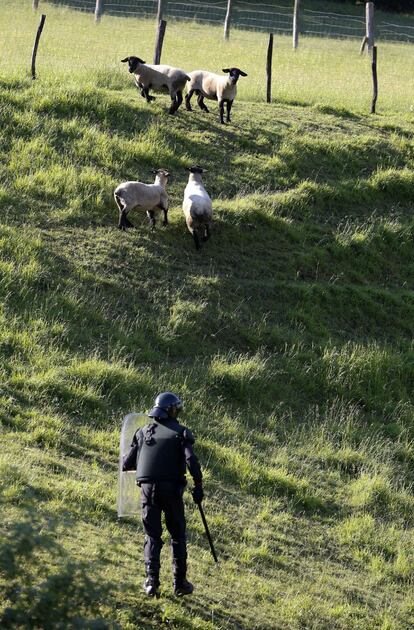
[(289, 337), (322, 71)]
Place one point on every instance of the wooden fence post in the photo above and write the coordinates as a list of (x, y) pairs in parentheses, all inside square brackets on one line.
[(269, 69), (369, 18), (296, 24), (99, 9), (35, 5), (162, 25), (227, 19), (374, 79), (160, 10), (36, 44)]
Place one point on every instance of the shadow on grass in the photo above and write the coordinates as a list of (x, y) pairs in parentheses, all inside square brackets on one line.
[(102, 294), (339, 112), (37, 596), (14, 83)]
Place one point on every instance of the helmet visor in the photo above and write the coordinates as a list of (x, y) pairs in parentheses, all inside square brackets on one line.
[(174, 410)]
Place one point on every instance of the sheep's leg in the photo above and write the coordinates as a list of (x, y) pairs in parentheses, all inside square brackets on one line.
[(201, 104), (196, 240), (173, 108), (221, 109), (128, 223), (229, 105), (165, 211), (140, 87), (179, 98), (147, 95), (207, 233), (124, 222), (187, 101), (176, 101), (122, 215), (151, 216)]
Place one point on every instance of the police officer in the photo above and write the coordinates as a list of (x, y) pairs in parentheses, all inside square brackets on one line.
[(160, 451)]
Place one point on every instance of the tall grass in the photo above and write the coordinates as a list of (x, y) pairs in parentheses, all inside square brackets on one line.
[(289, 337)]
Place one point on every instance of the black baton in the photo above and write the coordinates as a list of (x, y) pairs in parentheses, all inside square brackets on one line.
[(203, 518)]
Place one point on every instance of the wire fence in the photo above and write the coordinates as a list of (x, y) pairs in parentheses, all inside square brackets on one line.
[(259, 17), (323, 70)]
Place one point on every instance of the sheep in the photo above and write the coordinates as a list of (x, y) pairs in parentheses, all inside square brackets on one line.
[(197, 206), (214, 86), (147, 197), (160, 78)]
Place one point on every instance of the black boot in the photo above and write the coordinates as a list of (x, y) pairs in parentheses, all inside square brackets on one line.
[(152, 550), (181, 585), (151, 586)]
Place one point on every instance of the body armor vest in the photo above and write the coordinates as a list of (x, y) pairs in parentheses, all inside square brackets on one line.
[(161, 456)]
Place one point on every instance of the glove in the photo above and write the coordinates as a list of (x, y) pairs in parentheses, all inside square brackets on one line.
[(197, 493)]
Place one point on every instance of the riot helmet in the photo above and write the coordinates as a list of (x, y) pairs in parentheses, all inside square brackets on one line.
[(166, 405)]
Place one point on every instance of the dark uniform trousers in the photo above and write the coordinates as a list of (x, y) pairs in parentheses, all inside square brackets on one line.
[(167, 497)]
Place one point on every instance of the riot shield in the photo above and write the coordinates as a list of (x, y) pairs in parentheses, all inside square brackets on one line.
[(128, 492)]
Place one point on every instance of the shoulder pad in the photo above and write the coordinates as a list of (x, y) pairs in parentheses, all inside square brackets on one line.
[(137, 436), (188, 436)]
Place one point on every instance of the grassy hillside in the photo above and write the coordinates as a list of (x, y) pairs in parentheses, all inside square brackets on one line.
[(75, 52), (289, 337)]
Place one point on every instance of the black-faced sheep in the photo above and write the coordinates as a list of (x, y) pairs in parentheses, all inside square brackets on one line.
[(215, 87), (197, 207), (149, 198), (159, 78)]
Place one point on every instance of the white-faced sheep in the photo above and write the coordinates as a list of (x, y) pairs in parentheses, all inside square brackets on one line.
[(159, 78), (197, 206), (215, 87), (149, 198)]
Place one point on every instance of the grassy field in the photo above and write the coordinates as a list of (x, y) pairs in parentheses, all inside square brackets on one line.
[(322, 71), (289, 337)]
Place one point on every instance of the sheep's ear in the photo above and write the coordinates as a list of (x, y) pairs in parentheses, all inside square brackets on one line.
[(154, 171), (125, 60), (226, 70), (242, 74)]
